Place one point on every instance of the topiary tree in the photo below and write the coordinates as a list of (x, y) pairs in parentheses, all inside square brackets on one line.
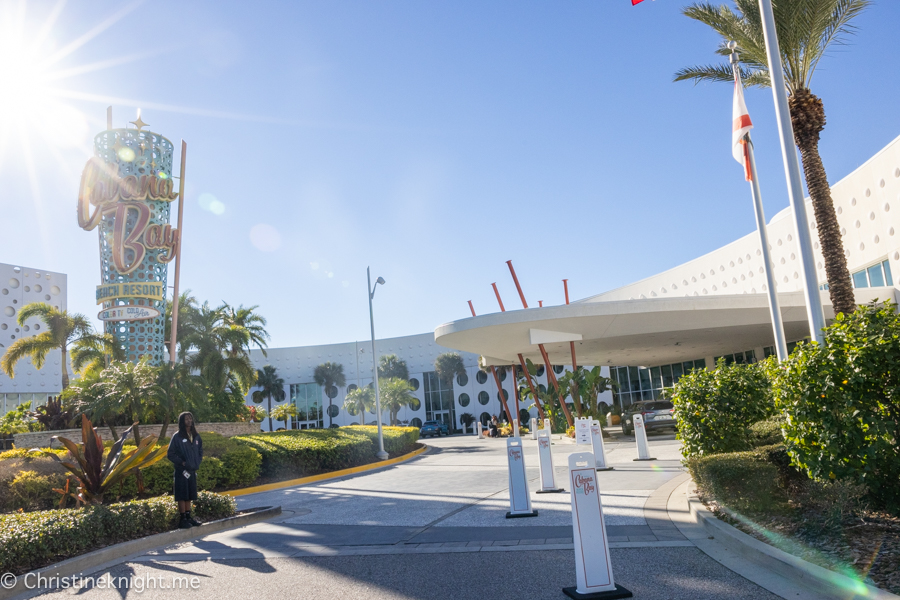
[(448, 365), (842, 403), (715, 409)]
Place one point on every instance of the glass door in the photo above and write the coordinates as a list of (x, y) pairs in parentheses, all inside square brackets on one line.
[(443, 416)]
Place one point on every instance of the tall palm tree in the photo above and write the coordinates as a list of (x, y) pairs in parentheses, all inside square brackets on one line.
[(187, 308), (61, 329), (251, 325), (449, 365), (91, 355), (330, 375), (221, 352), (391, 365), (270, 386), (806, 28)]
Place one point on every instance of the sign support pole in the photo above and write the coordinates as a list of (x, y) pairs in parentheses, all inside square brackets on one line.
[(175, 290)]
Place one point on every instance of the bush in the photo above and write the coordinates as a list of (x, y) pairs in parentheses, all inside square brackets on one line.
[(397, 440), (742, 481), (767, 432), (31, 453), (310, 451), (29, 541), (31, 491), (209, 474), (842, 404), (715, 409), (240, 466)]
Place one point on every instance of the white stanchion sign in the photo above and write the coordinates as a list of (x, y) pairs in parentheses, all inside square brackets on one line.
[(593, 569), (516, 428), (548, 474), (582, 431), (597, 445), (534, 429), (547, 424), (640, 435), (519, 498), (478, 430)]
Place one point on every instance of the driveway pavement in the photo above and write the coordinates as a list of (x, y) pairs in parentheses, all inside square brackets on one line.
[(435, 527)]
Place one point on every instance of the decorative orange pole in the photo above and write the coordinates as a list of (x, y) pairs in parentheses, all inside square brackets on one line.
[(540, 303), (472, 308), (574, 363), (175, 291), (500, 395), (497, 293), (551, 376), (537, 401), (516, 280)]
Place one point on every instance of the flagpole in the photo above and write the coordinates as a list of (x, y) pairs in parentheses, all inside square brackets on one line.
[(774, 308), (814, 312)]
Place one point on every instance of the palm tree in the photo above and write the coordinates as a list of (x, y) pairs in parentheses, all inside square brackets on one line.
[(180, 390), (391, 365), (251, 325), (221, 351), (395, 394), (187, 308), (270, 386), (806, 28), (61, 329), (330, 375), (448, 365), (133, 388), (90, 355), (360, 400)]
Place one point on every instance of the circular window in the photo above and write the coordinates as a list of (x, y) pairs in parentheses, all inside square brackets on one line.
[(542, 388), (481, 377), (415, 422), (524, 417), (502, 374), (540, 370), (483, 398), (414, 384), (463, 399), (462, 379), (352, 387), (333, 411), (505, 395), (415, 404), (485, 419), (558, 369), (331, 392)]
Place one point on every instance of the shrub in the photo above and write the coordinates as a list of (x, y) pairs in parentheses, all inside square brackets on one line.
[(767, 432), (742, 481), (209, 474), (32, 540), (715, 409), (841, 400), (397, 440), (31, 491), (31, 453), (310, 451), (240, 466)]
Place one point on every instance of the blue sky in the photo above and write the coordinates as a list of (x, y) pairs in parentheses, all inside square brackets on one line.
[(432, 141)]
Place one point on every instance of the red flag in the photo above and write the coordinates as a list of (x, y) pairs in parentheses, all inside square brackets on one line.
[(740, 127), (634, 2)]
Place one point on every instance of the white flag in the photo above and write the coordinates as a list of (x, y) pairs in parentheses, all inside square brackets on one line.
[(741, 126)]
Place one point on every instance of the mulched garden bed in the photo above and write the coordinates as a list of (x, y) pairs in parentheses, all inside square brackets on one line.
[(865, 545)]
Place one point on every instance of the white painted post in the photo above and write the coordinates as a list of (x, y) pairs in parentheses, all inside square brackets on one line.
[(478, 429), (640, 434), (597, 445), (519, 498), (533, 428), (516, 428), (593, 568), (547, 425), (548, 474), (582, 431)]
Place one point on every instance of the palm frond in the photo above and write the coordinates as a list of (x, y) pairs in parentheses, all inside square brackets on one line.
[(36, 347)]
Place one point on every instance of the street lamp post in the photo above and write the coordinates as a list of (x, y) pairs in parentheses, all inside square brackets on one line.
[(382, 455)]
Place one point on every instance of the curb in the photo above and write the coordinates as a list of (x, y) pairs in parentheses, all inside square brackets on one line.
[(818, 579), (322, 477), (120, 552)]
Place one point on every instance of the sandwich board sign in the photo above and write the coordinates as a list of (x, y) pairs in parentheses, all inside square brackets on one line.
[(548, 475), (593, 568), (640, 436), (597, 445), (519, 498), (582, 431)]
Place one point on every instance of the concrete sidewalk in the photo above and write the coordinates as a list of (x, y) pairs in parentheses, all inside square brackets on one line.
[(436, 527)]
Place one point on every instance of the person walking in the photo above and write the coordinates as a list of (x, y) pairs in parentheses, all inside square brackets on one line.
[(186, 453)]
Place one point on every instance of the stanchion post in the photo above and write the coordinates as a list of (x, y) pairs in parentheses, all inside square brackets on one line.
[(640, 436)]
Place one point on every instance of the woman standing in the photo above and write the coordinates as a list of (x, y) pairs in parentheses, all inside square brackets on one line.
[(186, 452)]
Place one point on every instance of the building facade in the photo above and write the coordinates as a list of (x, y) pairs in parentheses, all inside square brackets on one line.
[(20, 286)]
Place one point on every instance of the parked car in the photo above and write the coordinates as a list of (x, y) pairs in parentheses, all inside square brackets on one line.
[(658, 414), (433, 428)]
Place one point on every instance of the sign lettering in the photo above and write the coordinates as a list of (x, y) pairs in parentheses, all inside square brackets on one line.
[(151, 291)]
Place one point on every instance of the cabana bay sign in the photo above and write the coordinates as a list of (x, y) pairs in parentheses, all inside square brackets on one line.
[(126, 193)]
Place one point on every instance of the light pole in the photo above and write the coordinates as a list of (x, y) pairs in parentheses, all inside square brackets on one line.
[(382, 455)]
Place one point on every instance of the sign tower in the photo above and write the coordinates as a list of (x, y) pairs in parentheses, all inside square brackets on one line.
[(127, 190)]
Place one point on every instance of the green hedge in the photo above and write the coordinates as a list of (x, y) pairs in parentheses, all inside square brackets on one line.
[(715, 409), (743, 481), (310, 451), (397, 440), (29, 541)]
